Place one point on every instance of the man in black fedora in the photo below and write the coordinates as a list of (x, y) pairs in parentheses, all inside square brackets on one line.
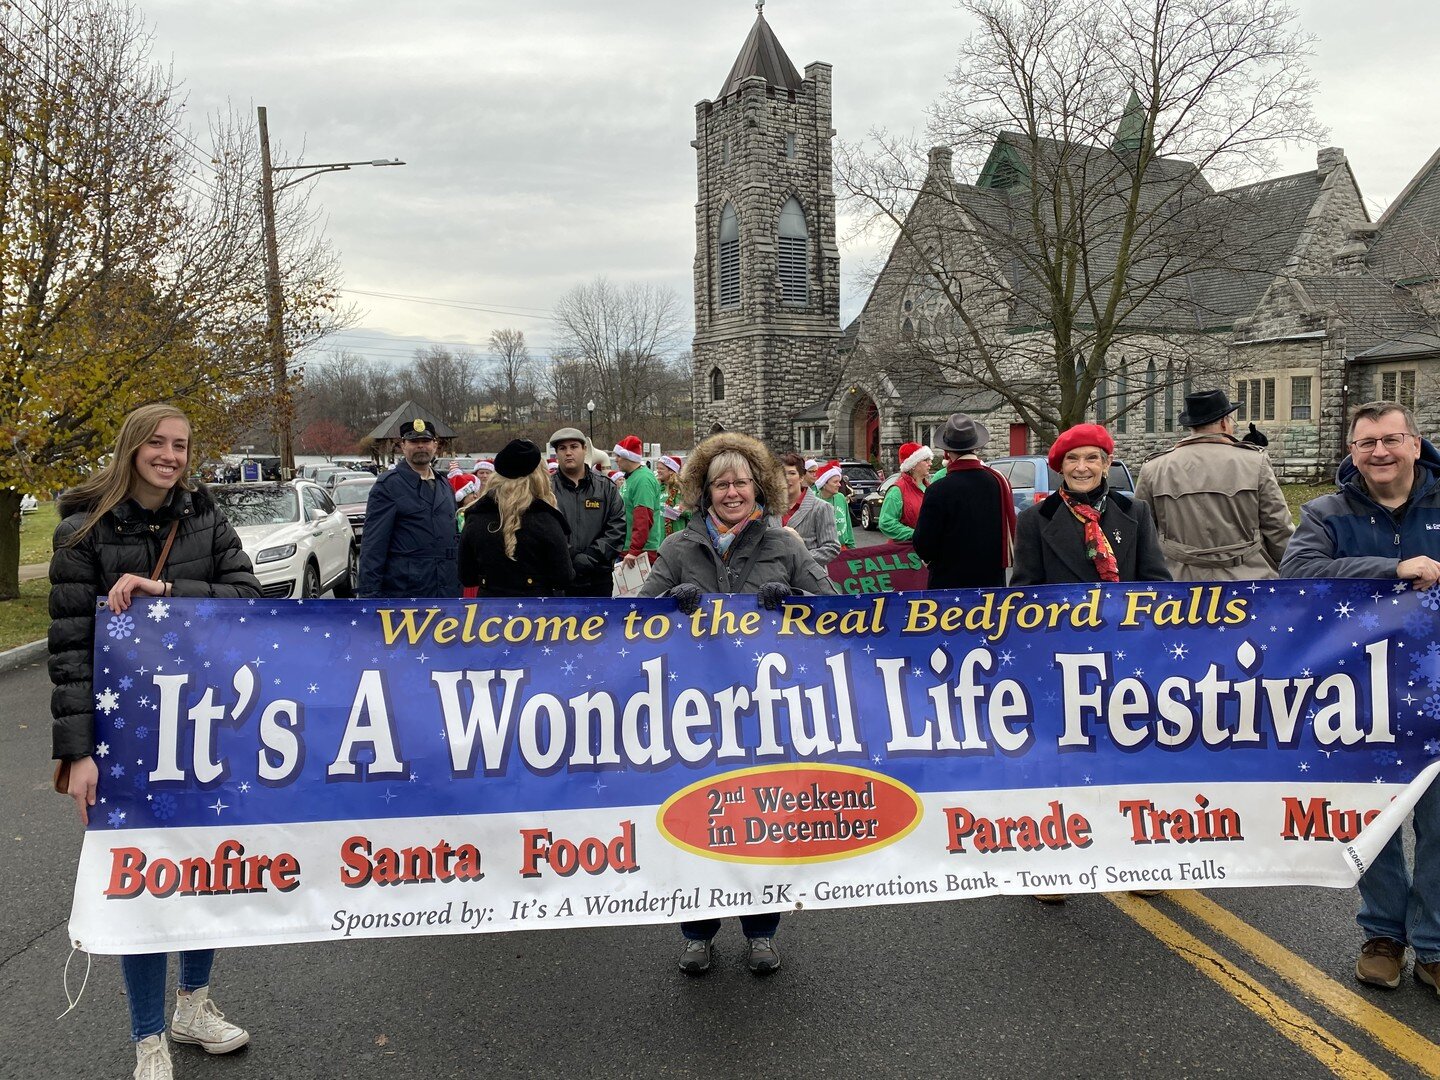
[(966, 530), (1217, 504)]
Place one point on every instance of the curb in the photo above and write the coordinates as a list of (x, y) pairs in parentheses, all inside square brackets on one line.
[(14, 659)]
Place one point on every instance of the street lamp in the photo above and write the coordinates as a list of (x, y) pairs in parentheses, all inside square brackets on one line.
[(275, 326), (590, 408)]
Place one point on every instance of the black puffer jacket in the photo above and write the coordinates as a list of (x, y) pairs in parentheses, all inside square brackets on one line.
[(205, 560), (541, 566)]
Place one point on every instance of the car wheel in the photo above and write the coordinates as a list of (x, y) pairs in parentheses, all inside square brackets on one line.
[(310, 583), (867, 517), (345, 587)]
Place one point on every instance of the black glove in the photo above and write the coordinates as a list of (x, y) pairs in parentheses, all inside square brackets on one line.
[(1255, 436), (686, 597), (771, 593)]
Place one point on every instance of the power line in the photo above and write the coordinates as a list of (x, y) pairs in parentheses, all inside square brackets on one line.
[(466, 305)]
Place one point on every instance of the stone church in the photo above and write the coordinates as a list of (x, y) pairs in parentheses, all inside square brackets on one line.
[(1324, 309)]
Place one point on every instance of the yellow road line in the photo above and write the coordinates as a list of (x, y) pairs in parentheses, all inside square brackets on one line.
[(1328, 1049), (1401, 1040)]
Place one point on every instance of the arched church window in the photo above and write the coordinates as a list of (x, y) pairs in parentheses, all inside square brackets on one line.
[(1150, 403), (1122, 404), (729, 258), (717, 384), (907, 330), (794, 254)]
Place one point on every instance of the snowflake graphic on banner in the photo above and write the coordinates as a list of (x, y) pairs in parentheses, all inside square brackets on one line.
[(1431, 599), (1426, 665), (120, 626), (1419, 623), (107, 701), (159, 611)]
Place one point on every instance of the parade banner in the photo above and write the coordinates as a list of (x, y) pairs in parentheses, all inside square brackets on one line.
[(892, 567), (325, 770)]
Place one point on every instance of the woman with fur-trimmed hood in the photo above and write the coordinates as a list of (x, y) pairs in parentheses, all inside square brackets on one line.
[(730, 547)]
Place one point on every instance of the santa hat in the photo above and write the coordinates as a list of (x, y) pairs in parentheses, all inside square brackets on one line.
[(811, 464), (484, 466), (671, 462), (552, 464), (912, 454), (469, 485), (829, 471), (1077, 436), (630, 448), (616, 475), (455, 469)]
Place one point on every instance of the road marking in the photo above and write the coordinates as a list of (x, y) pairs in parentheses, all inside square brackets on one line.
[(1401, 1040), (1325, 1047)]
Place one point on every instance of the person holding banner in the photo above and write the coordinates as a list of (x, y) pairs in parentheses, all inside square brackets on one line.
[(138, 527), (1084, 532), (516, 542), (900, 511), (807, 517), (1384, 522), (728, 547)]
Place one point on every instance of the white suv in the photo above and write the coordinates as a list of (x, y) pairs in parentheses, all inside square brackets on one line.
[(299, 543)]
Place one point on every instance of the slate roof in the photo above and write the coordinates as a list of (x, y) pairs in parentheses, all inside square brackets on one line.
[(761, 55), (1375, 313), (389, 428), (1408, 233)]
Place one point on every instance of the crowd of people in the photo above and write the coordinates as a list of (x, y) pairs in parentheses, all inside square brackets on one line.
[(734, 517)]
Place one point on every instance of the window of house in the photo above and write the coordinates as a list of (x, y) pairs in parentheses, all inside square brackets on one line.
[(794, 254), (1150, 401), (729, 258), (789, 144), (717, 385), (1255, 398), (1300, 397), (925, 434), (1398, 386)]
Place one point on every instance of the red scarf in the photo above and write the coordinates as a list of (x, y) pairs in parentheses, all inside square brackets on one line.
[(1097, 547), (1007, 504), (913, 494)]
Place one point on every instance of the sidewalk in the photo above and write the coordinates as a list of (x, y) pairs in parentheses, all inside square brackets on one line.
[(33, 571)]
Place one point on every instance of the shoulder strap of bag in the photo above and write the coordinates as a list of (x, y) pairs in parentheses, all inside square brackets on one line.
[(165, 551)]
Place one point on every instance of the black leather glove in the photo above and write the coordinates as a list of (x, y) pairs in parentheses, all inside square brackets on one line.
[(1255, 437), (771, 593), (686, 597)]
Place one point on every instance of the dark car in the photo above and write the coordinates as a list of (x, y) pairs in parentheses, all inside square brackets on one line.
[(1031, 478), (861, 479), (350, 496)]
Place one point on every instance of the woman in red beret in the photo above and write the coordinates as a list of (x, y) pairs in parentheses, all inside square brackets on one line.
[(1084, 532)]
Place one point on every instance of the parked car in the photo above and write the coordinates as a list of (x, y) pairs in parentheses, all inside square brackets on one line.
[(1031, 478), (863, 479), (300, 544), (347, 474), (28, 504), (870, 506), (350, 497), (323, 474)]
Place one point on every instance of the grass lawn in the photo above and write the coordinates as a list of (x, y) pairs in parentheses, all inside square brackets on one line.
[(35, 532), (1295, 494), (26, 619)]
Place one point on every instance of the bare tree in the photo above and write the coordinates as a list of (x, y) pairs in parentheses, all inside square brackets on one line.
[(624, 335), (446, 381), (512, 381), (1091, 237)]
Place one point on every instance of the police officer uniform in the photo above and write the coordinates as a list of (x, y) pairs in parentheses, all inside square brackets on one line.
[(410, 547)]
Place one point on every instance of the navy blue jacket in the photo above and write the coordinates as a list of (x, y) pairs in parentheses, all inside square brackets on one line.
[(1350, 535), (411, 545)]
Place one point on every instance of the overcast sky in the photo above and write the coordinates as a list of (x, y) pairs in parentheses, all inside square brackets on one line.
[(548, 142)]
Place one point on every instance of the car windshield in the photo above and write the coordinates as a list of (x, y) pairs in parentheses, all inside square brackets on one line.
[(352, 491), (864, 473), (257, 505)]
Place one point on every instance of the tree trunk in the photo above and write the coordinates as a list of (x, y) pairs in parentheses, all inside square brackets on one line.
[(9, 544)]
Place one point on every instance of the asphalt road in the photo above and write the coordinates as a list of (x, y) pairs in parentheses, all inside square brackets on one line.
[(996, 987)]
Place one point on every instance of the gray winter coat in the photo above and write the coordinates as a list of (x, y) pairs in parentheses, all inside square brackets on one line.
[(761, 554), (815, 522)]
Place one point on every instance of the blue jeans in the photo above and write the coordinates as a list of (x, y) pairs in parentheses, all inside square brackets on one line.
[(1396, 903), (753, 926), (145, 986)]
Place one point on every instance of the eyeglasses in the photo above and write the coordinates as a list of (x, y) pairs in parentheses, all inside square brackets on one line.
[(1391, 442), (719, 487)]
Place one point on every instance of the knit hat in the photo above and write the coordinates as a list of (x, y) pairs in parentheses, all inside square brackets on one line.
[(912, 454), (829, 471), (672, 463), (519, 458), (484, 466), (1080, 435), (811, 464), (630, 448)]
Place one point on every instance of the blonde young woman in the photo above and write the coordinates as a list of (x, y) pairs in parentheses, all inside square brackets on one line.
[(515, 542), (112, 530)]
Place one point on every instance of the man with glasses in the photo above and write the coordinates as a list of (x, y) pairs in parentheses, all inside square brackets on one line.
[(410, 546), (1218, 508), (1385, 523)]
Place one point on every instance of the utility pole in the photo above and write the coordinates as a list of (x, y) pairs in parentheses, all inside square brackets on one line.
[(274, 299)]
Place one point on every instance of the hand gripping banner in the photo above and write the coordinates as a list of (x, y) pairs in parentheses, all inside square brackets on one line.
[(319, 770)]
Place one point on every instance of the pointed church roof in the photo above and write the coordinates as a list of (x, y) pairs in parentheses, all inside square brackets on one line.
[(389, 428), (761, 55)]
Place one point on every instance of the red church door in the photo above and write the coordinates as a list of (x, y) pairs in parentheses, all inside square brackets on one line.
[(1019, 440)]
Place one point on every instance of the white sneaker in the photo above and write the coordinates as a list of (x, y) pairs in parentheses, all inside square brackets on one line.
[(152, 1059), (197, 1021)]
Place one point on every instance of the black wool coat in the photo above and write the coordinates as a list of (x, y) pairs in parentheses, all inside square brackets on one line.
[(205, 560), (542, 565), (1050, 543), (961, 531)]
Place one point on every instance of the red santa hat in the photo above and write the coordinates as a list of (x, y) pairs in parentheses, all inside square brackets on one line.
[(468, 486), (671, 462), (630, 448), (552, 465), (829, 471), (485, 466), (912, 454), (616, 475), (1077, 436)]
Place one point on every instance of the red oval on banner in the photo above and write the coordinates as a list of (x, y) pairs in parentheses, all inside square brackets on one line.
[(790, 814)]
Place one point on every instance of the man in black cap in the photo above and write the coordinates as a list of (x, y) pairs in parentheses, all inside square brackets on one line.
[(411, 546), (966, 530), (1217, 505), (593, 510)]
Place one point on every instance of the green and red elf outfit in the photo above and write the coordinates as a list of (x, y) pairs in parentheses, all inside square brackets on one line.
[(642, 498), (901, 508)]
